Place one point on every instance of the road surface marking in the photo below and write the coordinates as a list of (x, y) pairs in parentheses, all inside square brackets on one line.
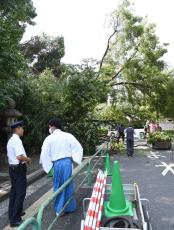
[(153, 155), (168, 168)]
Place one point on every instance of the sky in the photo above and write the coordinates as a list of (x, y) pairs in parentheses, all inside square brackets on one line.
[(82, 23)]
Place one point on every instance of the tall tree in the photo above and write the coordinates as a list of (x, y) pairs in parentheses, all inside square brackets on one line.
[(44, 52), (15, 15), (72, 97), (132, 63)]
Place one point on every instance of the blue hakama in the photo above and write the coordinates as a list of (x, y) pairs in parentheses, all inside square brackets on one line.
[(62, 172)]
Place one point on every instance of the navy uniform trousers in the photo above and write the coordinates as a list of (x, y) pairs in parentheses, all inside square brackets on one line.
[(130, 146), (18, 191)]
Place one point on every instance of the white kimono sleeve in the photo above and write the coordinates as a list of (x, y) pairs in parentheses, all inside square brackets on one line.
[(45, 158), (76, 150)]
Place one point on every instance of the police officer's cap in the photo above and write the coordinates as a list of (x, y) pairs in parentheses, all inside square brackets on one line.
[(17, 124)]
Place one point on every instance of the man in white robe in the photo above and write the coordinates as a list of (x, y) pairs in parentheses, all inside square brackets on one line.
[(59, 150)]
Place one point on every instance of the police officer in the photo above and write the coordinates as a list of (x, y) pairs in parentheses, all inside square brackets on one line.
[(130, 140), (17, 160)]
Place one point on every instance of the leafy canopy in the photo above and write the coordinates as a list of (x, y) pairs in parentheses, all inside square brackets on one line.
[(44, 52), (133, 64), (15, 15)]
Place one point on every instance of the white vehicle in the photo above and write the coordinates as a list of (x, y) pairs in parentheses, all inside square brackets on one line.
[(113, 133), (138, 133)]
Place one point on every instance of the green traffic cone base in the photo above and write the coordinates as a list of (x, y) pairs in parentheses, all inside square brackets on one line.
[(127, 211)]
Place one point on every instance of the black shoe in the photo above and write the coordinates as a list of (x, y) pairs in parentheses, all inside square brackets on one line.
[(12, 225), (23, 214)]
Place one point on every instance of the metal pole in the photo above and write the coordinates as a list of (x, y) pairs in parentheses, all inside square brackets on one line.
[(30, 221), (89, 173)]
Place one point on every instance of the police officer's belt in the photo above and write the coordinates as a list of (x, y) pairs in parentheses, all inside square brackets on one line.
[(15, 166)]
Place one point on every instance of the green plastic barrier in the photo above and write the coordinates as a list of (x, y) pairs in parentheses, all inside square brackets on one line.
[(29, 222)]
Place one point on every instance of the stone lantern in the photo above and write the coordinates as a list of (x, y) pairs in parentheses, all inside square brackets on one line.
[(11, 115)]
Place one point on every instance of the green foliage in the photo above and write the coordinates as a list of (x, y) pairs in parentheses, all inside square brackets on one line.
[(113, 113), (77, 93), (86, 132), (40, 102), (44, 52), (158, 136), (82, 92), (118, 147), (102, 132), (134, 66), (50, 89), (72, 98), (11, 89), (170, 133), (163, 102), (15, 15)]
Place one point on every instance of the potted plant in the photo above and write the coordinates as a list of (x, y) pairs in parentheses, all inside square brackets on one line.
[(117, 147), (159, 140)]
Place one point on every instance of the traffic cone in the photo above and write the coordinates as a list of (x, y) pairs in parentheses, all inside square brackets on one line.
[(108, 165), (117, 205)]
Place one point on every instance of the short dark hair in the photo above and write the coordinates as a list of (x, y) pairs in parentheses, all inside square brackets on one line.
[(56, 122)]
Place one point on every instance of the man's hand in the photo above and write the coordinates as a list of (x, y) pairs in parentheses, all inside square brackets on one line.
[(24, 158), (29, 161)]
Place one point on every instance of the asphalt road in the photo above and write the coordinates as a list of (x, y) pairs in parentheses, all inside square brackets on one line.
[(153, 185), (142, 169)]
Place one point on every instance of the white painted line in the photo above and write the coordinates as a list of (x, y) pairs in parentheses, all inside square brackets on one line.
[(153, 155), (168, 168)]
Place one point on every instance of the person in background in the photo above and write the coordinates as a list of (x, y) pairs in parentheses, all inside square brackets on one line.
[(58, 151), (130, 140), (152, 127), (116, 132), (146, 129), (121, 132), (17, 160), (158, 128)]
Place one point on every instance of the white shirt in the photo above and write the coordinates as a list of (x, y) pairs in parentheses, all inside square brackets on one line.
[(60, 145), (15, 148)]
